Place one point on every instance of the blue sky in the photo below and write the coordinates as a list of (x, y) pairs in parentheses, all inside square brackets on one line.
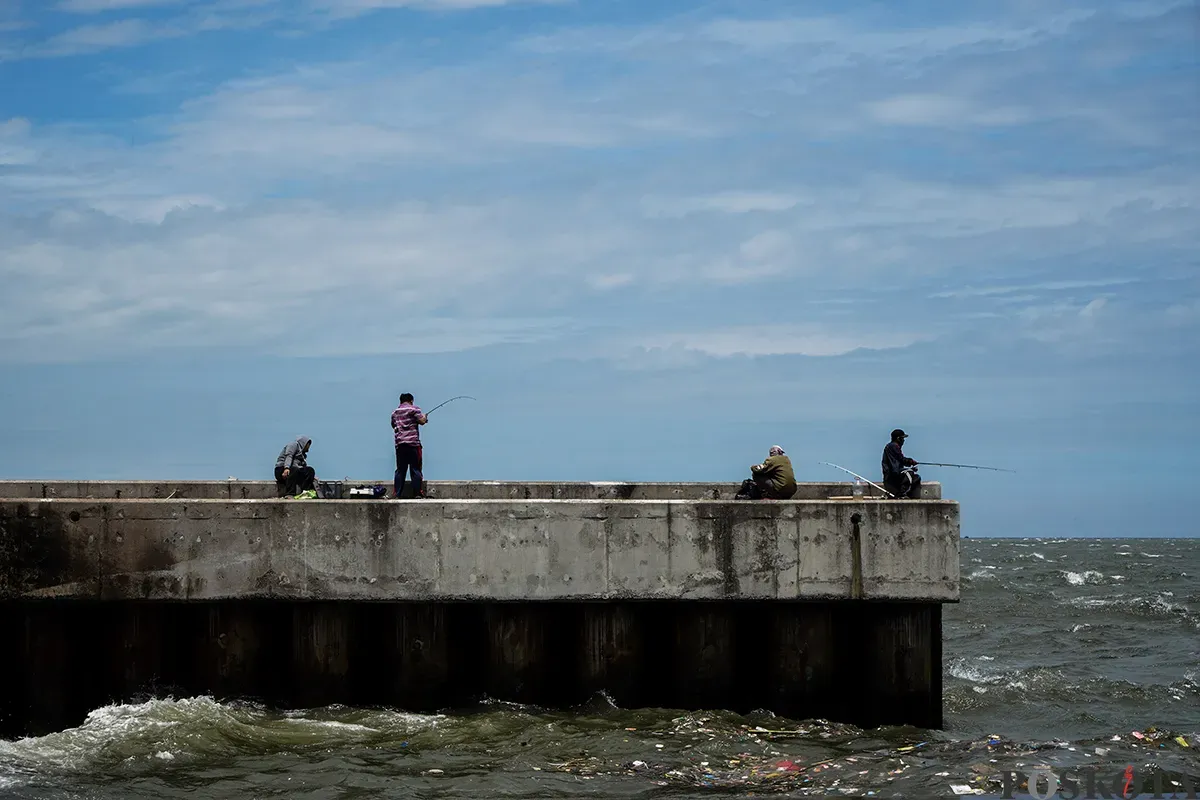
[(653, 238)]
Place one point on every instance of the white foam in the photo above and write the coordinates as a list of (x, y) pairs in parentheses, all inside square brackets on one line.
[(332, 725), (972, 673), (1080, 578)]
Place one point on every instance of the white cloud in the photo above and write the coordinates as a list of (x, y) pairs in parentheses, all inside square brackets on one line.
[(935, 110), (779, 339), (511, 186), (14, 148), (356, 7), (96, 6), (724, 203), (1045, 286), (92, 38)]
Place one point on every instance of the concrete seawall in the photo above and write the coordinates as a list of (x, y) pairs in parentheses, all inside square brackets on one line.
[(811, 607)]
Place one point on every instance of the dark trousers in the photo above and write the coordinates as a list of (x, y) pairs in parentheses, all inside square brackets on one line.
[(901, 488), (299, 479), (750, 490), (408, 457)]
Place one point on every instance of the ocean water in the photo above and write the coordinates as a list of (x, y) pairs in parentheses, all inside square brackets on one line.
[(1066, 654)]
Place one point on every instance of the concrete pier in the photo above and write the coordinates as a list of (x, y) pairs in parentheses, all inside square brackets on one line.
[(538, 593)]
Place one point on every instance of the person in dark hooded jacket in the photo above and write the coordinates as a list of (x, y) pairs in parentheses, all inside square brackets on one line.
[(292, 473)]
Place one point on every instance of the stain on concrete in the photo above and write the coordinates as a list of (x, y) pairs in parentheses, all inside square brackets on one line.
[(723, 542), (35, 551), (156, 557)]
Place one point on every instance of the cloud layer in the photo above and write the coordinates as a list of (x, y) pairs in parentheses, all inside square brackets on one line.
[(778, 173)]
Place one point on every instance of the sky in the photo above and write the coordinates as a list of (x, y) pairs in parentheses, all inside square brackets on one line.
[(651, 238)]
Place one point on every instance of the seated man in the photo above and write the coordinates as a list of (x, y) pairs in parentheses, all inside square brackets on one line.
[(292, 473), (772, 480), (900, 476)]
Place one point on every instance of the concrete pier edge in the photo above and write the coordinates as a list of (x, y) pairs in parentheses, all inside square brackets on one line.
[(811, 607)]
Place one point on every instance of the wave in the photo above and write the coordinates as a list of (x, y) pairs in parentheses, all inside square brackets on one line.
[(1159, 606), (169, 729), (1034, 686), (1080, 578)]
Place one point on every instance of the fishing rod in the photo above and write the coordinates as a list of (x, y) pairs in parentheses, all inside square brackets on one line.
[(962, 466), (439, 405), (861, 478)]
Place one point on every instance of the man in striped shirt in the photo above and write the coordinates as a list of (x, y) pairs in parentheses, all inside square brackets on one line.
[(406, 422)]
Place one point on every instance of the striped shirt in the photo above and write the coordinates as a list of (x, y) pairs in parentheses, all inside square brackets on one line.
[(404, 423)]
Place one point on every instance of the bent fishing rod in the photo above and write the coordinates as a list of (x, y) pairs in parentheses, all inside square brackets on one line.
[(861, 478), (452, 399), (962, 466)]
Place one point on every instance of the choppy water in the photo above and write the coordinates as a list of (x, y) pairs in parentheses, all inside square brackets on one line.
[(1058, 652)]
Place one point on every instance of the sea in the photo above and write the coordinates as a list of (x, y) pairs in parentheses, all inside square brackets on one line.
[(1076, 657)]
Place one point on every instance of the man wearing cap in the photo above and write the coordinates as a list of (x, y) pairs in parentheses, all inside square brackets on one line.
[(772, 480), (895, 479)]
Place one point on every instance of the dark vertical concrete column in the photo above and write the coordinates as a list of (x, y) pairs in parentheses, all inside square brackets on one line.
[(60, 647), (704, 656), (528, 653), (801, 672), (239, 649), (12, 670), (903, 675), (406, 655), (138, 651), (321, 643), (612, 653)]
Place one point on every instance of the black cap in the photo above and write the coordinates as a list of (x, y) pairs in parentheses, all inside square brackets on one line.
[(899, 434)]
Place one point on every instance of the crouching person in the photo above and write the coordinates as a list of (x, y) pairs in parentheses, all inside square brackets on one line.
[(771, 480), (292, 473)]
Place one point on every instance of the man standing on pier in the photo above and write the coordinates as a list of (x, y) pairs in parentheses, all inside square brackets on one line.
[(406, 422), (896, 479), (292, 473)]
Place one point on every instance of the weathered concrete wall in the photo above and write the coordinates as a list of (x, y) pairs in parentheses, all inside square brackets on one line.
[(543, 550), (444, 490)]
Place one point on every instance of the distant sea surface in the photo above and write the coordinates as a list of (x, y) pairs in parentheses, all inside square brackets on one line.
[(1064, 653)]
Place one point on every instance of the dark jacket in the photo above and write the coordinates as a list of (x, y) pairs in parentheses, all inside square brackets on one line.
[(776, 477), (293, 455), (894, 461)]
